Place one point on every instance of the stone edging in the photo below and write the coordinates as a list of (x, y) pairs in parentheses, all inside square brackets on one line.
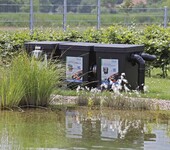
[(156, 104)]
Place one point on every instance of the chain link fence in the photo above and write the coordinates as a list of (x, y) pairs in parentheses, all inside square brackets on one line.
[(63, 15)]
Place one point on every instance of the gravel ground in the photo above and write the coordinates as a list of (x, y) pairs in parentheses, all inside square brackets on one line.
[(62, 100), (162, 104), (155, 103)]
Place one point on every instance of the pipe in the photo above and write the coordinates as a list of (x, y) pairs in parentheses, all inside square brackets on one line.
[(148, 57), (141, 69), (36, 53)]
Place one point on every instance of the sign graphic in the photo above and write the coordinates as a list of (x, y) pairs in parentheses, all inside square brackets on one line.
[(109, 70), (74, 69)]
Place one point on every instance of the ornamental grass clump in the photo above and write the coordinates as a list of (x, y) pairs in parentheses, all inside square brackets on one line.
[(29, 82), (11, 87)]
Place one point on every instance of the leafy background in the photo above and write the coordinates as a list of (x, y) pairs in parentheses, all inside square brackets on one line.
[(155, 38)]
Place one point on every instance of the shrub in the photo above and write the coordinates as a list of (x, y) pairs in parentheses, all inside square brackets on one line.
[(154, 38)]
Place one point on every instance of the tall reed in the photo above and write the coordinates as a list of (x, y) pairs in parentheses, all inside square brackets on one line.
[(11, 87), (29, 81)]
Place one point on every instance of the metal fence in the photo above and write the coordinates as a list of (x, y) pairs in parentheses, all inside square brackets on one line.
[(64, 15)]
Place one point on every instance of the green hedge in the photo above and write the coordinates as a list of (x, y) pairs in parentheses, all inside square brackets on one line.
[(155, 38)]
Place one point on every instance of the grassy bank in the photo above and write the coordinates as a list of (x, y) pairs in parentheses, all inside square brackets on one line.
[(79, 19), (158, 88), (157, 97)]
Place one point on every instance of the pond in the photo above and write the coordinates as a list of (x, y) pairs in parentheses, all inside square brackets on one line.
[(84, 129)]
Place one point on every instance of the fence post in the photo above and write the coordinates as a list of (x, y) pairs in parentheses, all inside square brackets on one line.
[(65, 15), (98, 14), (165, 16), (31, 17)]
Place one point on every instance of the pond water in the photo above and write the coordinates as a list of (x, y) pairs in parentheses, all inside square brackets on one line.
[(84, 129)]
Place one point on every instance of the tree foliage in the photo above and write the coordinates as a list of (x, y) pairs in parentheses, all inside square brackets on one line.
[(74, 6), (55, 5), (166, 3)]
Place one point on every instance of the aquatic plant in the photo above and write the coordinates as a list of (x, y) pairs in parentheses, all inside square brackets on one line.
[(40, 80), (11, 87), (29, 81), (111, 100), (113, 94)]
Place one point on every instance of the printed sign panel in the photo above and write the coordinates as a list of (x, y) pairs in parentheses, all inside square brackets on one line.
[(74, 69), (109, 70)]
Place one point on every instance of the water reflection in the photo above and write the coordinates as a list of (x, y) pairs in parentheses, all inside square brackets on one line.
[(73, 125), (109, 129), (84, 129), (103, 130), (118, 130)]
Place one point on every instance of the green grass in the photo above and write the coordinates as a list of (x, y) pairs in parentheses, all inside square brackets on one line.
[(65, 92), (158, 88), (80, 19)]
